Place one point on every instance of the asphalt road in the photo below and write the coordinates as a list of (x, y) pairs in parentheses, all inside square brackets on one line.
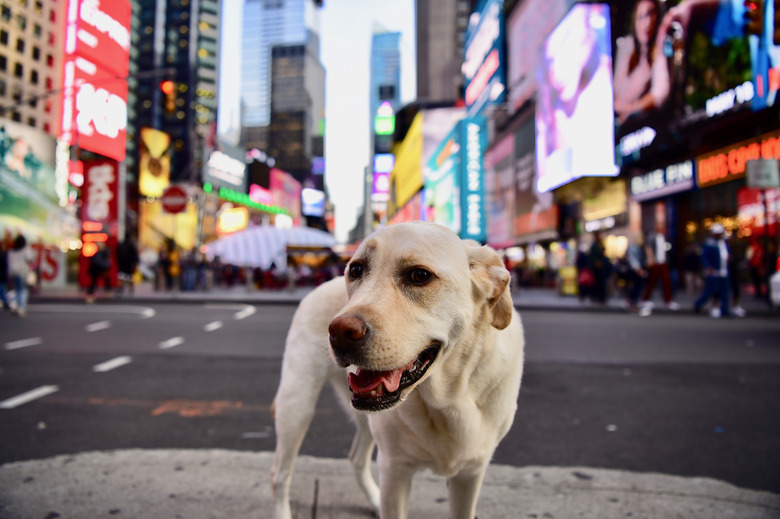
[(676, 394)]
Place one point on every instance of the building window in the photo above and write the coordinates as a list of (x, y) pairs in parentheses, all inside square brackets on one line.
[(2, 88), (49, 83), (37, 31), (52, 39), (53, 16), (36, 53), (5, 14), (31, 122), (20, 45), (50, 60), (21, 22), (3, 63), (19, 70), (16, 116), (34, 77), (4, 37)]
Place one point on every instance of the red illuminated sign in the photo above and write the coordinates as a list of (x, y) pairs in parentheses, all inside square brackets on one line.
[(728, 163), (94, 84), (99, 30), (99, 212)]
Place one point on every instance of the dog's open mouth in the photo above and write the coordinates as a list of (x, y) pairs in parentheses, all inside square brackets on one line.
[(378, 390)]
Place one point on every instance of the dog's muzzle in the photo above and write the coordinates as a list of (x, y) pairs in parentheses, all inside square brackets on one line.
[(347, 335)]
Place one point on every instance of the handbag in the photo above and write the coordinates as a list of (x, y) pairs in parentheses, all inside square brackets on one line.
[(586, 278), (31, 279)]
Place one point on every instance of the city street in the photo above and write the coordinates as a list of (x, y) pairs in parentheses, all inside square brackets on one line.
[(675, 393)]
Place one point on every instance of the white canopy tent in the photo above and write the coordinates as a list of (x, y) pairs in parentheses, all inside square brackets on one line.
[(260, 246)]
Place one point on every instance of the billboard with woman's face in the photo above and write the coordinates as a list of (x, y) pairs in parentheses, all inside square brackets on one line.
[(574, 121), (684, 66)]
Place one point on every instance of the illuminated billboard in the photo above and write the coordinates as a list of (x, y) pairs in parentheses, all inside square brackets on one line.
[(94, 87), (527, 27), (483, 63), (154, 165), (454, 180), (313, 202), (287, 193), (574, 122), (706, 63)]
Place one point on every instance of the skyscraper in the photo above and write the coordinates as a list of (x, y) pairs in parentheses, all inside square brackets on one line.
[(384, 100), (31, 62), (182, 36), (268, 23), (283, 84), (441, 31)]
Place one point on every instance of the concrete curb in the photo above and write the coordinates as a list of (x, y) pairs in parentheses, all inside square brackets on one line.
[(221, 483)]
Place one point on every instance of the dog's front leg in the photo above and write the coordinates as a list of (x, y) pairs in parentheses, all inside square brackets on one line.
[(395, 483), (464, 490), (360, 457)]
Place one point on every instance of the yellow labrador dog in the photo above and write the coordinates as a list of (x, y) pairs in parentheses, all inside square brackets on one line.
[(426, 346)]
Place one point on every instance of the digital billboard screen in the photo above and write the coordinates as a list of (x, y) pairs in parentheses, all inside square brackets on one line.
[(483, 64), (94, 84), (574, 122), (686, 67)]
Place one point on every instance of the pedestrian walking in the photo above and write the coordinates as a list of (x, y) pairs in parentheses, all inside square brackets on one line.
[(714, 260), (4, 274), (99, 267), (636, 258), (127, 260), (21, 272), (599, 264), (657, 250)]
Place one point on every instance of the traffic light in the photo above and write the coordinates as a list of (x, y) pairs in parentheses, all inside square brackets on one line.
[(754, 17), (168, 89)]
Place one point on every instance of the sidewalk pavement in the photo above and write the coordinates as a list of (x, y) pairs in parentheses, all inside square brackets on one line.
[(169, 483), (524, 299), (219, 484)]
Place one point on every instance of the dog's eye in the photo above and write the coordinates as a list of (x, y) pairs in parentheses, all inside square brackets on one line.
[(355, 270), (419, 276)]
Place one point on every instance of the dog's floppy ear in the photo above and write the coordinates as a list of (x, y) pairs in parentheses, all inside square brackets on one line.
[(490, 279)]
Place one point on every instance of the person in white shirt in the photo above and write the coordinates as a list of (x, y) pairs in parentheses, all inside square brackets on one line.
[(656, 250), (20, 260)]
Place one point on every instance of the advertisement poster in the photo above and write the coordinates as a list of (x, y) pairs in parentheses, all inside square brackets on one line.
[(574, 122), (500, 192), (99, 213), (29, 202), (94, 84), (683, 65), (287, 193)]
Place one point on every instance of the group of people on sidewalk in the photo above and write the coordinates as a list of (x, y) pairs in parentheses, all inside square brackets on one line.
[(648, 266)]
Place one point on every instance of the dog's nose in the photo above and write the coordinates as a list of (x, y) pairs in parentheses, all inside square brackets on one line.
[(347, 330)]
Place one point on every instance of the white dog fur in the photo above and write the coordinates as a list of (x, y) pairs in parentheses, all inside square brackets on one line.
[(410, 288)]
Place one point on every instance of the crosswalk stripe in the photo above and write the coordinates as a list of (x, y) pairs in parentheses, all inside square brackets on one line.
[(171, 343), (28, 397), (24, 343), (112, 364)]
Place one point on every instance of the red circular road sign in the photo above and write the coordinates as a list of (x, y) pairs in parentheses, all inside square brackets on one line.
[(174, 200)]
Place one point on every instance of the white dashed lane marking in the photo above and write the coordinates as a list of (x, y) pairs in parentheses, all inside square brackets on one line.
[(171, 343), (210, 327), (100, 325), (112, 364), (24, 343), (28, 397), (244, 311)]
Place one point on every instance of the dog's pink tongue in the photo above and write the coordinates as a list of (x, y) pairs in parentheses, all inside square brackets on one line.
[(365, 381)]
